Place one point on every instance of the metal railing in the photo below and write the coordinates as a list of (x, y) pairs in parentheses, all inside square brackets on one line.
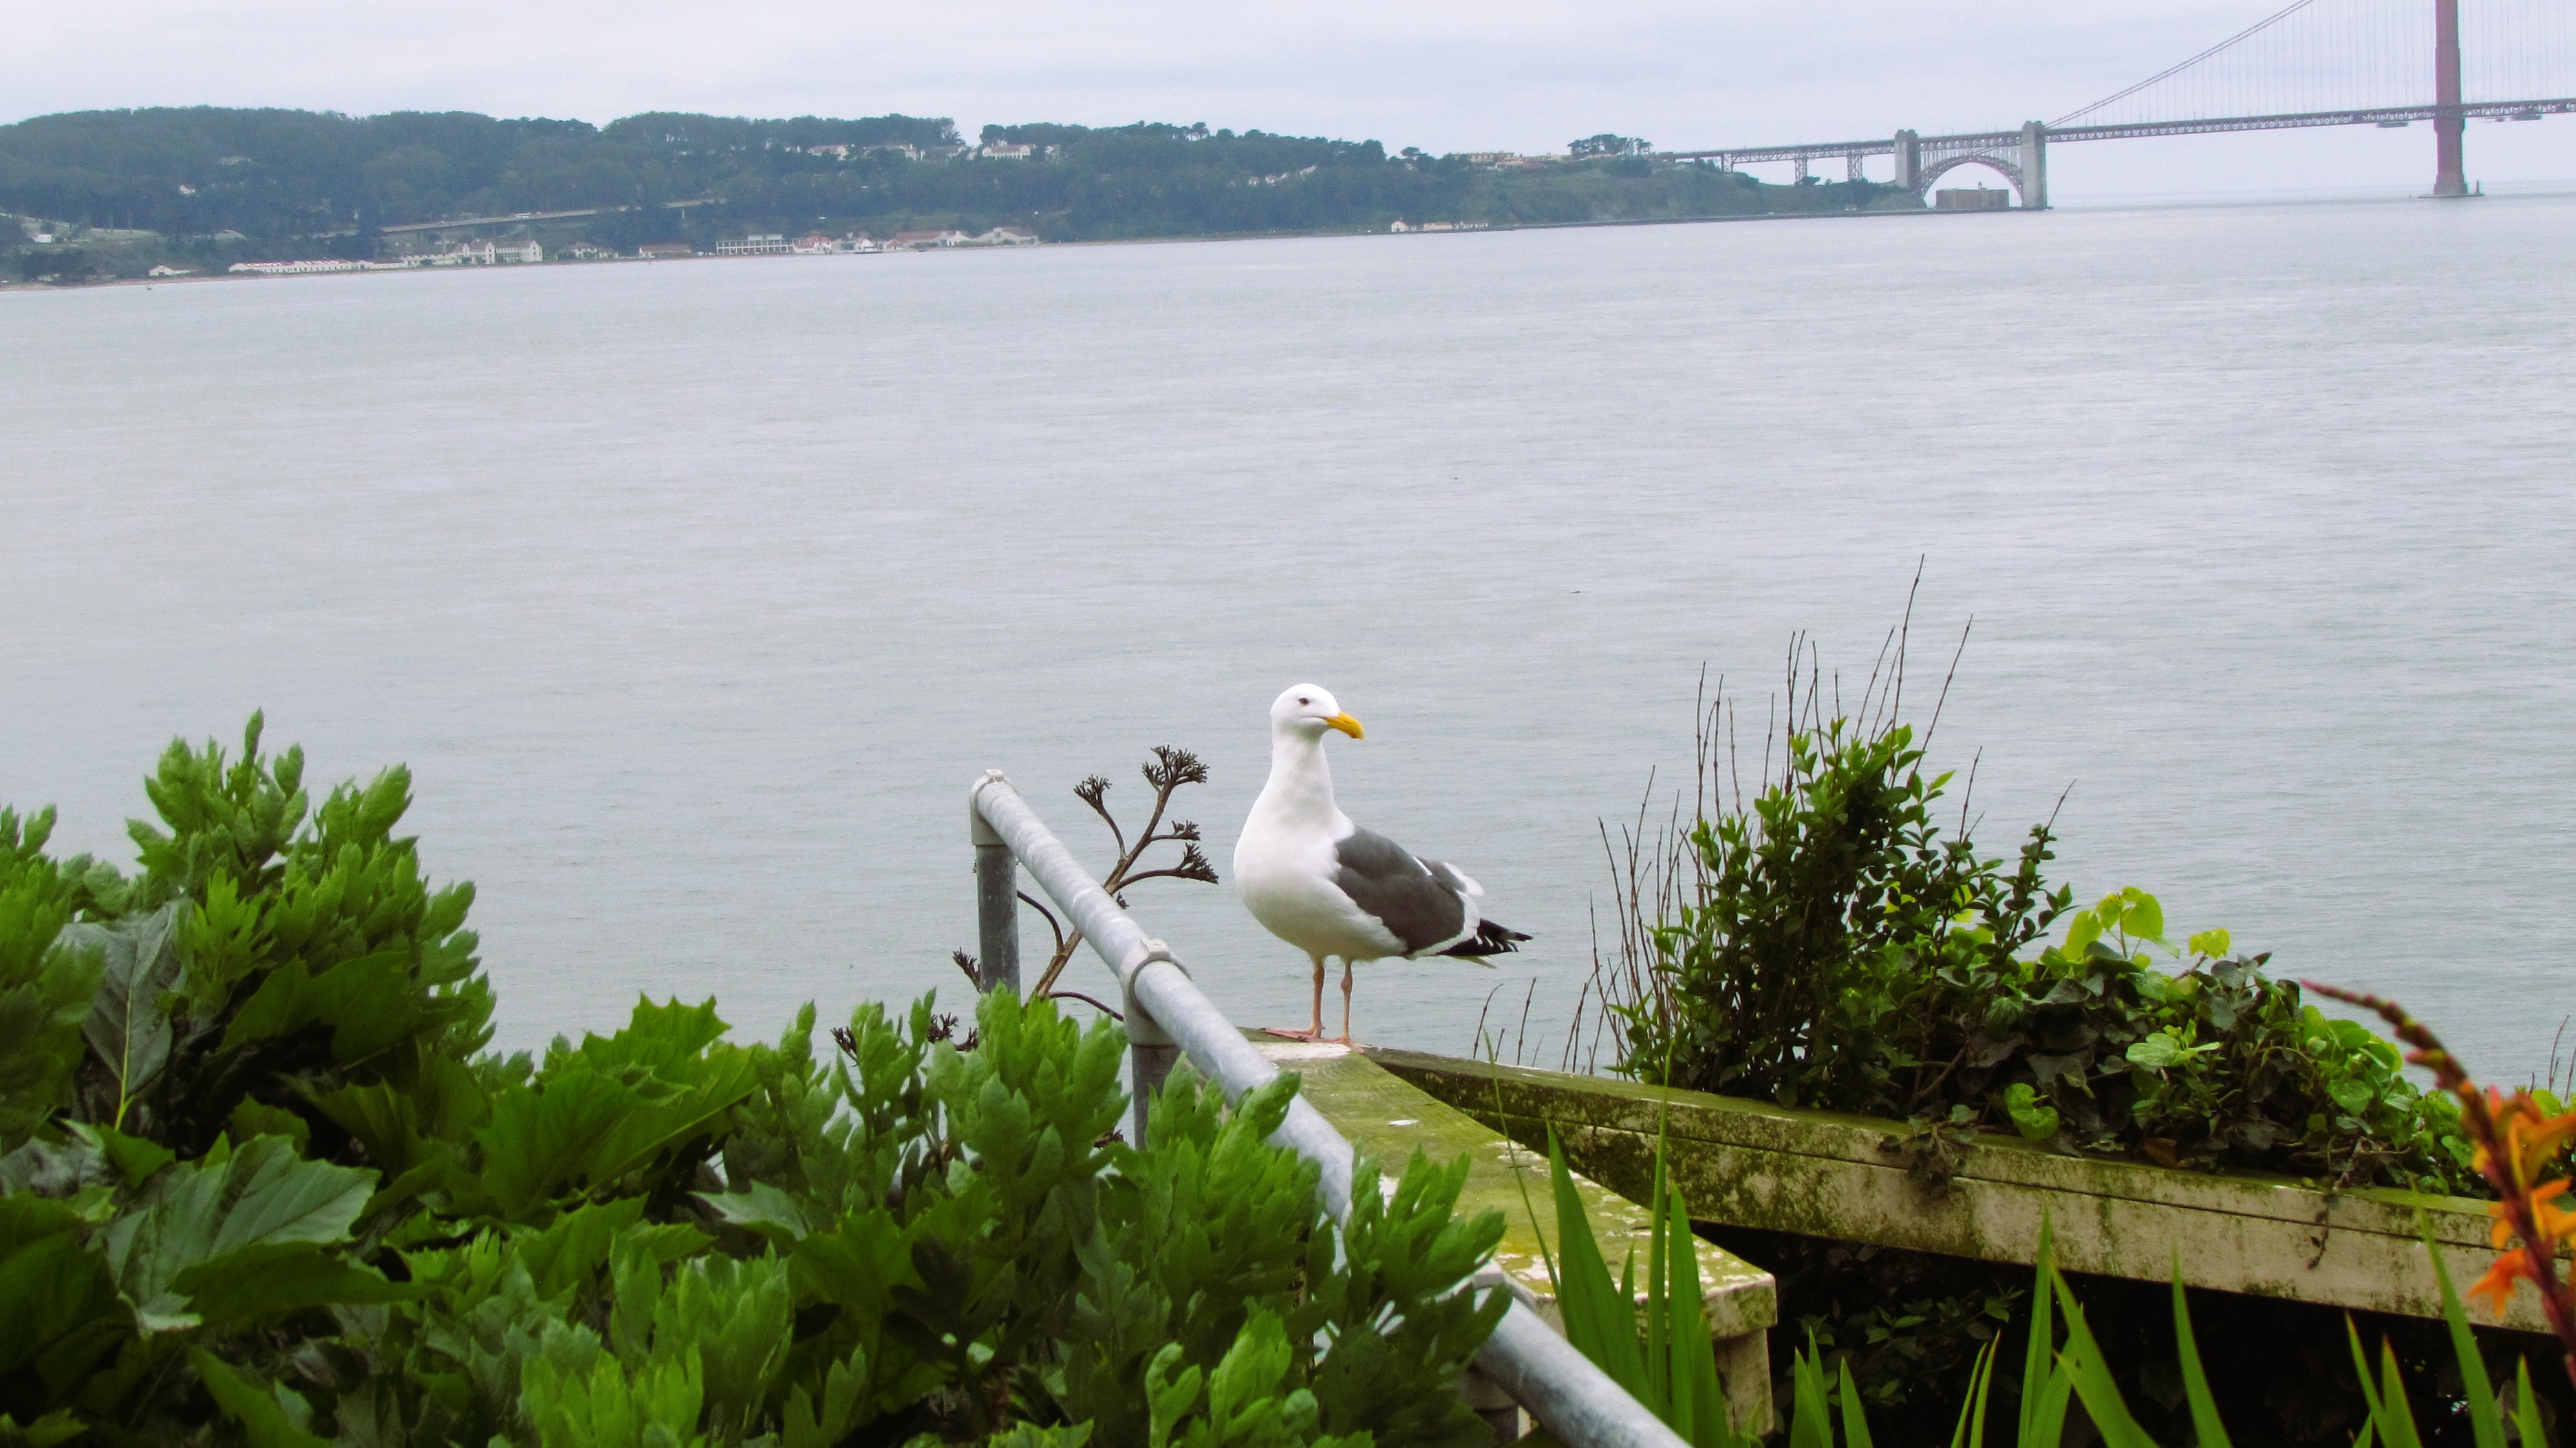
[(1167, 1017)]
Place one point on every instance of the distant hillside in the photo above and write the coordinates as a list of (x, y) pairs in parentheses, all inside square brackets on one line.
[(211, 184)]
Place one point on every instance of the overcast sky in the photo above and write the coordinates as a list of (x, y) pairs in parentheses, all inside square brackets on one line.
[(1441, 74)]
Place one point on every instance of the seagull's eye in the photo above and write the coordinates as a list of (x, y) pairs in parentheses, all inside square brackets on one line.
[(1305, 701)]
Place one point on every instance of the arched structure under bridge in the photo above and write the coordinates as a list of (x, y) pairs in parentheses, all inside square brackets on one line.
[(2384, 63)]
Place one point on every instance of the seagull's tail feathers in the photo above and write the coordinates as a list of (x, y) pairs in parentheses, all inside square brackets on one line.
[(1489, 939)]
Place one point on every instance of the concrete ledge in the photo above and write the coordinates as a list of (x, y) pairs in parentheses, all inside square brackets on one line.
[(1819, 1174), (1390, 1118)]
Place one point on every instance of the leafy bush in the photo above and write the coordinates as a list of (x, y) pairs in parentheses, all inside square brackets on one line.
[(1825, 944), (1822, 941), (263, 1184)]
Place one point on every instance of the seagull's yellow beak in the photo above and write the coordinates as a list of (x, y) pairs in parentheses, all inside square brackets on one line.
[(1344, 723)]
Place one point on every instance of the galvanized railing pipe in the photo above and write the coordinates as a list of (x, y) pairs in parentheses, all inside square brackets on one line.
[(1560, 1387)]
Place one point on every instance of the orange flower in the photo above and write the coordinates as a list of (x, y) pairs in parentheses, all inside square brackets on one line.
[(2509, 1268), (2531, 1140)]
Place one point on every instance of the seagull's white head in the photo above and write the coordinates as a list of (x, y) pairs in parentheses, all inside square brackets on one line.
[(1308, 710)]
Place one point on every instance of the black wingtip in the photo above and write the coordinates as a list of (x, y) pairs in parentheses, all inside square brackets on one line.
[(1489, 939)]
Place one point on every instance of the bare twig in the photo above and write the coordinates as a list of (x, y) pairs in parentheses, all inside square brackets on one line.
[(1075, 995), (1165, 774)]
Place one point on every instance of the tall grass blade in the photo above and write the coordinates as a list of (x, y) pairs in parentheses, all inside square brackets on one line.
[(2526, 1413), (2044, 1386), (1699, 1398), (2091, 1373), (1971, 1432), (1600, 1320), (1664, 1392), (2195, 1383), (2361, 1369), (2397, 1422), (1810, 1423), (1855, 1427), (2486, 1420)]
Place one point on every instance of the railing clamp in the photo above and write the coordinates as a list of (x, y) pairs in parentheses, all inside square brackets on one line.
[(983, 834), (1142, 1028)]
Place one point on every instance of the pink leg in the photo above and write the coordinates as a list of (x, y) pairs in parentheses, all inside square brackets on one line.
[(1346, 1003), (1314, 1032)]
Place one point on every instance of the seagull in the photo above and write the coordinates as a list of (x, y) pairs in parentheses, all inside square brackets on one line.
[(1330, 888)]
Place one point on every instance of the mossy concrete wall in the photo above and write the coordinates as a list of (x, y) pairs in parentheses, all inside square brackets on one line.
[(1818, 1174), (1389, 1118)]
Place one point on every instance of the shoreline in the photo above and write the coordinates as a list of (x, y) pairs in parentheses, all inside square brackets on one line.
[(148, 282)]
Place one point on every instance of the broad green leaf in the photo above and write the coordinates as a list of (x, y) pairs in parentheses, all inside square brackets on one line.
[(763, 1209), (577, 1127), (134, 1158), (268, 1419), (2034, 1121), (195, 1213), (286, 1277), (2156, 1052), (2211, 943), (127, 1025), (58, 1306), (253, 1117), (575, 1244), (2082, 931), (368, 1003), (2140, 915)]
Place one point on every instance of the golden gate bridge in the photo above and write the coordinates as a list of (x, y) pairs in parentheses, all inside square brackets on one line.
[(2385, 63)]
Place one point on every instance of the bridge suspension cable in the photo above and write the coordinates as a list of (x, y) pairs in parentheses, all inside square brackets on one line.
[(2330, 55), (2169, 72)]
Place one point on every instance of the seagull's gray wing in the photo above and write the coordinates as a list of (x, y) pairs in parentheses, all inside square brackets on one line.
[(1422, 909)]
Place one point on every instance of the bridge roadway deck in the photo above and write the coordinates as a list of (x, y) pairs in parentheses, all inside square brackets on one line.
[(1972, 140)]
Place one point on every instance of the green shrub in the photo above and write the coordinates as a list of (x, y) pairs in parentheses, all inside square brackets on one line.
[(1824, 944), (262, 1184), (1820, 940)]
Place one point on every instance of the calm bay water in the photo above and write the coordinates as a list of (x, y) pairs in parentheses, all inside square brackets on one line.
[(695, 594)]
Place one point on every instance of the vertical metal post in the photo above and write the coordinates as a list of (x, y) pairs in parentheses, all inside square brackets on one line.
[(997, 897), (2034, 166), (1151, 1051), (1486, 1398), (2449, 178)]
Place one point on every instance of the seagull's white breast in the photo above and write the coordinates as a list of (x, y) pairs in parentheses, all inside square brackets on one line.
[(1285, 875)]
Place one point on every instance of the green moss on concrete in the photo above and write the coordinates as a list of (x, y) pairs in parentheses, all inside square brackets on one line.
[(1821, 1174), (1391, 1118)]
